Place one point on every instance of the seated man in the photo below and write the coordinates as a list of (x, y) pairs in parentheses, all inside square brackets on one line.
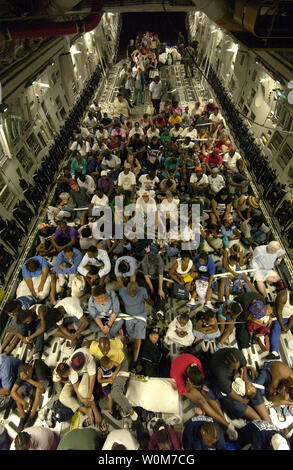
[(216, 181), (72, 315), (45, 247), (225, 365), (261, 435), (113, 348), (205, 267), (36, 438), (64, 236), (104, 308), (254, 232), (125, 268), (38, 320), (126, 180), (199, 181), (12, 308), (153, 269), (135, 321), (95, 265), (264, 259), (187, 371), (80, 378), (202, 433), (8, 374), (36, 376), (284, 322), (105, 183), (228, 312), (154, 356), (81, 199), (66, 265), (36, 279)]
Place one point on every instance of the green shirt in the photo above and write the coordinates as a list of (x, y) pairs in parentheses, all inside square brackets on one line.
[(80, 439)]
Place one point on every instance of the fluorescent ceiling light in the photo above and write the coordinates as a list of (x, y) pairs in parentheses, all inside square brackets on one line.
[(41, 84)]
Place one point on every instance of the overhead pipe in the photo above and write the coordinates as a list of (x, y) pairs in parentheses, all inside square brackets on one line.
[(38, 29)]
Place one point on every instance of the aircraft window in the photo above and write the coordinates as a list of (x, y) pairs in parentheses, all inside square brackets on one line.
[(33, 145), (62, 113), (25, 161), (58, 102), (242, 60), (41, 139), (245, 110), (254, 75), (276, 140), (285, 156)]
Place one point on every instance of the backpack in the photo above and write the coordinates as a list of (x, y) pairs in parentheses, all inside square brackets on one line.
[(61, 412), (180, 292)]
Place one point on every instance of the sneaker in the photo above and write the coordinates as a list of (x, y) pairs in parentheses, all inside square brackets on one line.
[(160, 315), (273, 356), (191, 303), (209, 306)]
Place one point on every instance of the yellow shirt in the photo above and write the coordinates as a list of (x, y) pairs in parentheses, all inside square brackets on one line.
[(176, 120), (115, 354)]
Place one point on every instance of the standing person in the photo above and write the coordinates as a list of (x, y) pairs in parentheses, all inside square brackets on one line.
[(156, 93), (139, 84), (130, 49), (189, 57)]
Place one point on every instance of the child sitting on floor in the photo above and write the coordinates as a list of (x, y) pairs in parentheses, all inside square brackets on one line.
[(106, 375), (258, 324), (180, 331)]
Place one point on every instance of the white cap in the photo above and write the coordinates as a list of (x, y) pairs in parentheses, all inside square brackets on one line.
[(211, 100), (279, 442), (104, 173)]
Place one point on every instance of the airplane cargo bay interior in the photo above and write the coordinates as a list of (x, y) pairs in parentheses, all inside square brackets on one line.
[(146, 202)]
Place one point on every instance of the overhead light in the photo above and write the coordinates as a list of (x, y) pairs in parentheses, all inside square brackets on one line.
[(41, 84), (53, 63), (3, 107), (73, 50), (234, 48), (262, 80)]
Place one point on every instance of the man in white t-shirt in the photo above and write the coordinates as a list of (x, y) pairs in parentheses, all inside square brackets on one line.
[(177, 131), (101, 133), (199, 181), (216, 119), (230, 160), (146, 205), (82, 377), (99, 199), (156, 93), (87, 182), (90, 122), (72, 314), (127, 179), (190, 132), (148, 183), (136, 130), (120, 437), (216, 181), (265, 258), (152, 131)]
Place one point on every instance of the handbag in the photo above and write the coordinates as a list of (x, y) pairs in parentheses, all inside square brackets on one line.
[(180, 292)]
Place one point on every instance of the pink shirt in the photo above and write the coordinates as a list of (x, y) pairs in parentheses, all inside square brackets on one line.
[(153, 444)]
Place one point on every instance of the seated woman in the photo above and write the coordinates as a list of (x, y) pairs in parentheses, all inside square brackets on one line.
[(202, 433), (154, 356), (229, 231), (180, 331), (258, 324), (164, 437), (171, 168), (206, 328), (221, 207), (227, 314), (234, 283), (183, 273)]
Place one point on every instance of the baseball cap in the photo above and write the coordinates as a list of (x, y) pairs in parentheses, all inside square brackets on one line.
[(104, 173), (215, 170), (198, 168), (216, 151), (77, 361), (136, 124), (211, 101), (258, 309)]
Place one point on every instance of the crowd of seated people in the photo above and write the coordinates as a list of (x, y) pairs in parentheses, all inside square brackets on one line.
[(85, 274)]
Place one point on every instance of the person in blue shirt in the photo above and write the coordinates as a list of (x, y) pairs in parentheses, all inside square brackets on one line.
[(36, 278), (205, 267), (202, 433), (104, 308), (12, 308), (134, 298), (66, 265), (8, 373), (262, 435)]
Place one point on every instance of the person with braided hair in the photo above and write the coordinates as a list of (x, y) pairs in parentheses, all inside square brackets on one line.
[(164, 437), (203, 433)]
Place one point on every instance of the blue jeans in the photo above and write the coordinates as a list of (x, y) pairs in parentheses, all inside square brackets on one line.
[(264, 377), (27, 329), (276, 333)]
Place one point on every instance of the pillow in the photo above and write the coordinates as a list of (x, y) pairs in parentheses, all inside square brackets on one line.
[(154, 394)]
